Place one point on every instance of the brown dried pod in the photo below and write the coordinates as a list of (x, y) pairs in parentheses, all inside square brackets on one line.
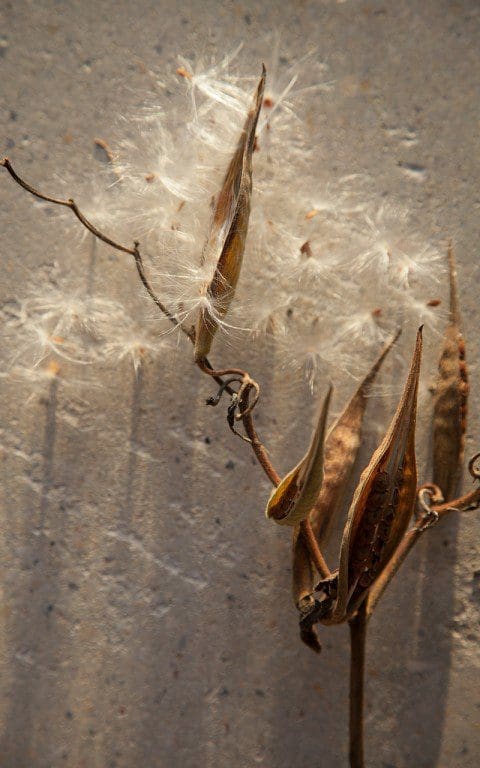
[(450, 405), (228, 231), (382, 504), (341, 448), (293, 499)]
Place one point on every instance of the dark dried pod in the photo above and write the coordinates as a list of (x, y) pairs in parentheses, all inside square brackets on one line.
[(382, 504), (341, 449)]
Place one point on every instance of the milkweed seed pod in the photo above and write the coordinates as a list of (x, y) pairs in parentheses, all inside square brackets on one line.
[(292, 501), (450, 406), (341, 448), (228, 231), (382, 504)]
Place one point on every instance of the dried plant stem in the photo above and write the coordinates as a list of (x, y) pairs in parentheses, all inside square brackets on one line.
[(467, 503), (70, 203), (314, 549), (206, 367), (407, 543), (358, 633), (432, 513), (245, 409), (259, 449)]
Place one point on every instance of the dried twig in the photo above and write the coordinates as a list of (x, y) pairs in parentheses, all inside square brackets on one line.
[(358, 635)]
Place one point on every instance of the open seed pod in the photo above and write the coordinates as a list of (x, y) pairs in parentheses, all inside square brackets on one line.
[(292, 501), (228, 231), (382, 504), (341, 448)]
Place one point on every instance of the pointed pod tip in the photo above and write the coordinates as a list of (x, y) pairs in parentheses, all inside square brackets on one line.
[(418, 348), (261, 87), (326, 406)]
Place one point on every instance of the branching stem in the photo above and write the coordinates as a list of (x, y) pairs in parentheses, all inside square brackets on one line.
[(247, 385)]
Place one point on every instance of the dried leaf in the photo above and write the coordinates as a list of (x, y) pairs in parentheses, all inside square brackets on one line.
[(292, 500), (341, 448), (382, 504), (228, 231), (450, 406)]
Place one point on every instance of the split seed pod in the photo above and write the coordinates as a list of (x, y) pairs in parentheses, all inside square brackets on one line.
[(450, 406), (341, 449), (228, 231), (293, 499), (382, 504)]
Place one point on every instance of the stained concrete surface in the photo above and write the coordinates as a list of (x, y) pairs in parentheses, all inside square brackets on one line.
[(146, 615)]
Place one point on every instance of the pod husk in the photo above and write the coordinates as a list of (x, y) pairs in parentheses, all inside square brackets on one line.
[(341, 449), (228, 231), (382, 504), (293, 499)]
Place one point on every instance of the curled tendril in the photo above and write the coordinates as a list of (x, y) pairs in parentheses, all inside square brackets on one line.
[(234, 404), (475, 472), (426, 516), (214, 400), (243, 393)]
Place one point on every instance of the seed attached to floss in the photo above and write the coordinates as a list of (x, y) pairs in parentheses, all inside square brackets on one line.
[(292, 501), (450, 405), (228, 232), (341, 449)]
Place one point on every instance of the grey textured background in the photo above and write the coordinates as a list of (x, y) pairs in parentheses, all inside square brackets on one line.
[(145, 602)]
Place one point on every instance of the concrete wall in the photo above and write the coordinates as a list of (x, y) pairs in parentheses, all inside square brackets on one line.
[(146, 617)]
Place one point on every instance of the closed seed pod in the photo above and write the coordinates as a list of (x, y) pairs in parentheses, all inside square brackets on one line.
[(450, 405), (228, 231)]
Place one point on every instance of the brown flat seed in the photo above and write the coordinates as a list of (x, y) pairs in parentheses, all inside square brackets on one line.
[(450, 405)]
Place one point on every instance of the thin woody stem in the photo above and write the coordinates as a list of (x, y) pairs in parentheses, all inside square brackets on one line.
[(431, 514), (70, 203), (467, 503), (152, 294), (257, 446), (470, 501), (405, 546), (67, 204), (314, 549), (204, 365), (135, 252), (358, 633)]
